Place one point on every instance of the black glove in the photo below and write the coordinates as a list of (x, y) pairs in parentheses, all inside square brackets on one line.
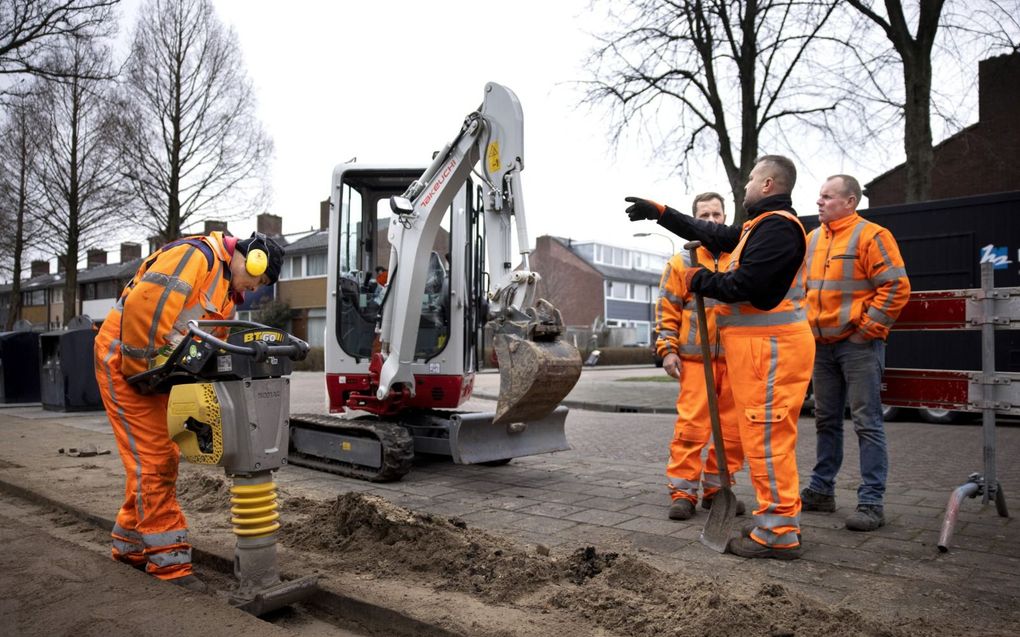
[(643, 209)]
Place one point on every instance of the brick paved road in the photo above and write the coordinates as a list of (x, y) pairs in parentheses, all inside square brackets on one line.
[(608, 491)]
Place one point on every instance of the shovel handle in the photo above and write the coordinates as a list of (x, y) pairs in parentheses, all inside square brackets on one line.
[(706, 360)]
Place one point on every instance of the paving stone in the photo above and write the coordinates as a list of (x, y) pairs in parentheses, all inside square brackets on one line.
[(983, 562), (662, 525), (878, 544), (552, 509), (539, 523), (543, 495), (832, 537), (648, 510), (658, 543), (607, 504), (481, 486), (604, 518), (599, 536)]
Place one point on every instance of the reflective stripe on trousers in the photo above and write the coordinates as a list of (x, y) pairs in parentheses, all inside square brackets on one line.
[(769, 375), (693, 429), (150, 526)]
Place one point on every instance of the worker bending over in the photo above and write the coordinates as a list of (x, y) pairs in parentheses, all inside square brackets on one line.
[(769, 347), (193, 278), (679, 345)]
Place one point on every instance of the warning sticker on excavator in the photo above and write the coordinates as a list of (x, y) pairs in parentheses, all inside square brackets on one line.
[(492, 156)]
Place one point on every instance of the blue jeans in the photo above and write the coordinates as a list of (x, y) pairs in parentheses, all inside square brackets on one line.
[(850, 372)]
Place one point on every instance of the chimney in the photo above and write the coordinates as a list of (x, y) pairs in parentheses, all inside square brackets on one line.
[(130, 251), (269, 225), (61, 263), (214, 226), (40, 267), (323, 214), (999, 90), (95, 256)]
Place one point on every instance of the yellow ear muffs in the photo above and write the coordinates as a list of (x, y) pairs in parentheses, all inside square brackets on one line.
[(256, 262)]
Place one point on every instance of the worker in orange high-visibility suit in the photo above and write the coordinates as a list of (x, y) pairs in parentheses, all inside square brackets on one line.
[(679, 345), (200, 277), (768, 344), (857, 285)]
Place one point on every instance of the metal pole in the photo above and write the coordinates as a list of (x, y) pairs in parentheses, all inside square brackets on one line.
[(988, 374)]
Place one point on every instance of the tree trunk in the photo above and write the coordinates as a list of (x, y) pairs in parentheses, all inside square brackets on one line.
[(74, 214), (19, 236), (917, 125)]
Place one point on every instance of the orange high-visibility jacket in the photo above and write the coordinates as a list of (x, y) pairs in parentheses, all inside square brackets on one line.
[(676, 316), (184, 280), (856, 280), (744, 318)]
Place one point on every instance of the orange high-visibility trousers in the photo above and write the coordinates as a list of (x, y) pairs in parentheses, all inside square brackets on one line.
[(693, 430), (150, 528), (769, 375)]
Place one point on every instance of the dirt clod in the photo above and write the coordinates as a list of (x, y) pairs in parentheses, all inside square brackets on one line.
[(586, 563)]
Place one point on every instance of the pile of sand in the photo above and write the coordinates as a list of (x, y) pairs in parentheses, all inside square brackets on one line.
[(619, 593)]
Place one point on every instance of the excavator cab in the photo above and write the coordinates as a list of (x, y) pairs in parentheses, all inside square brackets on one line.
[(447, 350)]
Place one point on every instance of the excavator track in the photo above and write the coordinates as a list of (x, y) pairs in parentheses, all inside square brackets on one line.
[(395, 441)]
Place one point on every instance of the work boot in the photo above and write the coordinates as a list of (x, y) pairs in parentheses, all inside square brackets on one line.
[(681, 509), (190, 582), (706, 503), (749, 527), (814, 501), (744, 546), (867, 517)]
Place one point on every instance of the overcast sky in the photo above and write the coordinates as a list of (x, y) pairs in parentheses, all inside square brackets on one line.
[(390, 82)]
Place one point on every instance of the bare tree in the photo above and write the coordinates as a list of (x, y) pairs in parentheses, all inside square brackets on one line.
[(914, 51), (190, 136), (710, 77), (894, 70), (79, 172), (31, 29), (17, 165)]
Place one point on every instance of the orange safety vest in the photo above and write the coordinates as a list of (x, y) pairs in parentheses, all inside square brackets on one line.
[(676, 316), (185, 280), (744, 318), (856, 280)]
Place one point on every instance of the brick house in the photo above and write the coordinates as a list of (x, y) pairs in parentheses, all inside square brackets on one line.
[(979, 159), (596, 283)]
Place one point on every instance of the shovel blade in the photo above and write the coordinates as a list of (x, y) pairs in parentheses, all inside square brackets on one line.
[(716, 534)]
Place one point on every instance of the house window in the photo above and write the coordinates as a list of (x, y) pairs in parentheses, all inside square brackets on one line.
[(292, 268), (56, 295), (316, 327), (316, 264), (34, 297)]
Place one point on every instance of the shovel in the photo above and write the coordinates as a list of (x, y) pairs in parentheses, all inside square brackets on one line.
[(721, 516)]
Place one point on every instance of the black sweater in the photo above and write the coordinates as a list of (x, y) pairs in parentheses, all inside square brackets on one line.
[(770, 259)]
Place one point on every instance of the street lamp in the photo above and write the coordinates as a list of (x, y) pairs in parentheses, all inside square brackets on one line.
[(672, 246)]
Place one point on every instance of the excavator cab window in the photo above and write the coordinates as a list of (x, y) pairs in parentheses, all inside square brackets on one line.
[(365, 249)]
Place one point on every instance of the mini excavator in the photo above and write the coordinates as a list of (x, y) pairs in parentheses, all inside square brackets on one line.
[(228, 407), (410, 298)]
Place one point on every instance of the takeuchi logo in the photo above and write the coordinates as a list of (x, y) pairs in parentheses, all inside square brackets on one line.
[(436, 187)]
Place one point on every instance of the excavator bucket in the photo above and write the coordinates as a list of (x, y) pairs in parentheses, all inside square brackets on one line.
[(534, 376)]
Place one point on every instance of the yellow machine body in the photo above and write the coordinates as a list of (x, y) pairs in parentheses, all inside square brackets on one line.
[(196, 402)]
